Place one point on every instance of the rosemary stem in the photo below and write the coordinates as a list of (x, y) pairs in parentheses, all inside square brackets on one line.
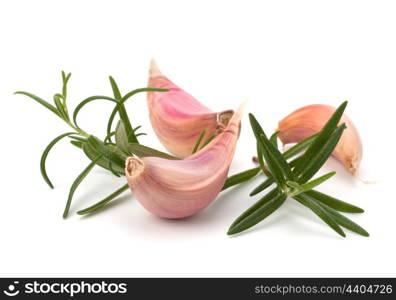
[(78, 129)]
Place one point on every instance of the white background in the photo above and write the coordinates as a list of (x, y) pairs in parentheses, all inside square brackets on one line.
[(278, 54)]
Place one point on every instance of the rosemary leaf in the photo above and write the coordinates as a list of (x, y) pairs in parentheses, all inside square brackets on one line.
[(278, 166), (240, 177), (344, 221), (122, 138), (274, 139), (77, 138), (65, 80), (107, 139), (78, 144), (144, 151), (293, 184), (260, 159), (106, 151), (45, 154), (75, 185), (131, 137), (41, 101), (85, 102), (320, 139), (110, 122), (111, 169), (301, 146), (267, 183), (208, 140), (333, 202), (258, 212), (61, 109), (103, 202), (125, 98), (320, 212), (92, 153), (318, 159), (199, 140), (311, 184)]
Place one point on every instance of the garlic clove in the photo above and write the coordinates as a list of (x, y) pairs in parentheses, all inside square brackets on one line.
[(180, 188), (178, 118), (310, 119)]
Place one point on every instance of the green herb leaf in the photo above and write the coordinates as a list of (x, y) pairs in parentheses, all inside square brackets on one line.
[(318, 159), (276, 163), (333, 202), (77, 144), (61, 109), (125, 98), (240, 177), (258, 212), (92, 153), (146, 89), (77, 138), (320, 212), (311, 184), (344, 221), (107, 139), (267, 183), (274, 139), (208, 140), (260, 158), (41, 101), (113, 171), (45, 154), (301, 146), (102, 203), (85, 102), (293, 184), (320, 139), (278, 166), (65, 79), (106, 151), (110, 121), (270, 180), (144, 151), (75, 185), (122, 113), (196, 147), (122, 138)]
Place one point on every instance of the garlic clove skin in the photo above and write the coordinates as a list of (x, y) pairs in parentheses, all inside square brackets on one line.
[(180, 188), (310, 119), (178, 118)]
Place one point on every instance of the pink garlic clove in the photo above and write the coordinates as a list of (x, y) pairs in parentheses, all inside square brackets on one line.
[(310, 119), (178, 118), (180, 188)]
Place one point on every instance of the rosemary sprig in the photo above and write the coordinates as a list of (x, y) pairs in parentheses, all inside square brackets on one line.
[(104, 153), (292, 178)]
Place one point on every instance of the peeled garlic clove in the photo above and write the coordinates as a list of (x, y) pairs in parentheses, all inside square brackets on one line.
[(180, 188), (178, 118), (310, 119)]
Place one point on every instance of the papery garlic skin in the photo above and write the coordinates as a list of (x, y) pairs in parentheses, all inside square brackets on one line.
[(180, 188), (178, 118), (310, 119)]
